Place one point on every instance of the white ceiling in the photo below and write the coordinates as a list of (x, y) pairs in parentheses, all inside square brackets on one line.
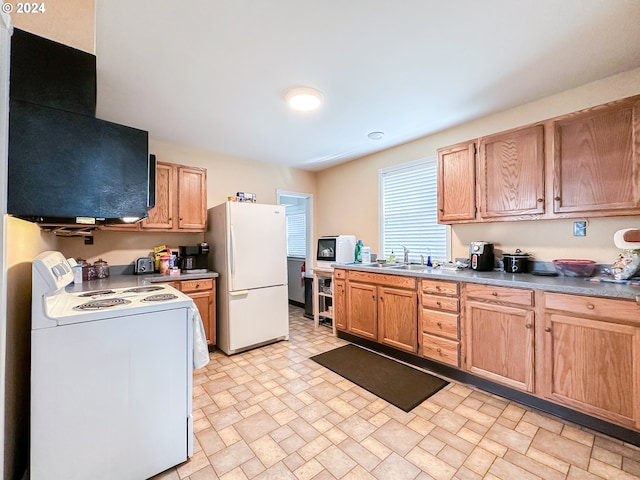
[(210, 74)]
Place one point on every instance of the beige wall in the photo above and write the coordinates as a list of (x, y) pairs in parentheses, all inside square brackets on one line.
[(225, 176), (71, 22), (355, 184)]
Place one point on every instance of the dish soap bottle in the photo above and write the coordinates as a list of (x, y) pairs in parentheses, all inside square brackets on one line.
[(358, 253), (392, 257)]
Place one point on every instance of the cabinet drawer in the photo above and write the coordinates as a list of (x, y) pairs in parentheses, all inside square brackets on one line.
[(438, 287), (339, 274), (397, 281), (499, 294), (449, 304), (440, 323), (607, 308), (196, 285), (440, 349)]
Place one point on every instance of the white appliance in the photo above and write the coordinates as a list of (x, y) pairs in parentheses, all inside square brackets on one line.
[(249, 243), (335, 249), (111, 378)]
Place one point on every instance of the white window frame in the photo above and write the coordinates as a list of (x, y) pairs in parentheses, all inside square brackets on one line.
[(414, 256)]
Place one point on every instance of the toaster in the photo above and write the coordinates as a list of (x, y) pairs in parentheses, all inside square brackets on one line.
[(144, 265)]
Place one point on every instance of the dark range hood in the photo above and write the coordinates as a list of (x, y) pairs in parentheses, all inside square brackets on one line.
[(66, 166)]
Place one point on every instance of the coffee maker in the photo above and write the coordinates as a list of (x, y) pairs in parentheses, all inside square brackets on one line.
[(482, 257), (193, 257)]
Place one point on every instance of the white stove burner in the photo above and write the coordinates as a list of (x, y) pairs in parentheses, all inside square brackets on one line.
[(102, 303), (151, 288), (161, 297)]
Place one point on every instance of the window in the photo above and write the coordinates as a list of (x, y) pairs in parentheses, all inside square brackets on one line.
[(296, 235), (408, 212)]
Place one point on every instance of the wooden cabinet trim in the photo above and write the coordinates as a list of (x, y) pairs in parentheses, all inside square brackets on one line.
[(439, 287), (382, 279), (493, 293)]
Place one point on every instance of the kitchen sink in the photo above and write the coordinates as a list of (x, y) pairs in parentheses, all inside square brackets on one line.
[(411, 267), (379, 265)]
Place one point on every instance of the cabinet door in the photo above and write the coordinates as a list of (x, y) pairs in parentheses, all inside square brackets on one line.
[(457, 183), (593, 366), (597, 163), (192, 198), (204, 301), (340, 303), (161, 216), (398, 318), (362, 310), (511, 173), (499, 344)]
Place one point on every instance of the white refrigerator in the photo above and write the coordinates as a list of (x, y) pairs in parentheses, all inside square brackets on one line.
[(249, 243)]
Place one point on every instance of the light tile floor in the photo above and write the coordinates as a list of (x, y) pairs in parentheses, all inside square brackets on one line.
[(271, 413)]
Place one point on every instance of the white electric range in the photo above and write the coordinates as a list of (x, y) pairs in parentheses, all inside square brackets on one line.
[(111, 378)]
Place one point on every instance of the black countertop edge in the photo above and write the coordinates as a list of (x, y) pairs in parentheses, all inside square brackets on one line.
[(520, 280)]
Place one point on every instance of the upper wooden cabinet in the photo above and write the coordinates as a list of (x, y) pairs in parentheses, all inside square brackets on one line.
[(597, 160), (457, 183), (181, 200), (582, 164), (511, 174)]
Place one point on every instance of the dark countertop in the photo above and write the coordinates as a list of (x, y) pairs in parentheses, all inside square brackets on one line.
[(520, 280), (122, 281)]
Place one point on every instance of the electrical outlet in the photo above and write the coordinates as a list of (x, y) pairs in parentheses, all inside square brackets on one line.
[(579, 229)]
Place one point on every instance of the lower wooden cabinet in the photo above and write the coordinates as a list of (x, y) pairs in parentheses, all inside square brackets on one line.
[(203, 294), (382, 308), (592, 356), (340, 299), (499, 335), (397, 318), (440, 321), (362, 309)]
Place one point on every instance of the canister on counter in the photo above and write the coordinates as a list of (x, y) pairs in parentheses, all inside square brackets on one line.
[(164, 264)]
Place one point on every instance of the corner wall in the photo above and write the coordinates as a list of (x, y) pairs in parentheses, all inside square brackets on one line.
[(356, 184)]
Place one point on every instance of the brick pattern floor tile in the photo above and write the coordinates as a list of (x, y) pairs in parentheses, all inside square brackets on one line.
[(272, 413)]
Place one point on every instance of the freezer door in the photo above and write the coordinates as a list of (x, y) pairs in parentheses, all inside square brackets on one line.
[(257, 316), (258, 245)]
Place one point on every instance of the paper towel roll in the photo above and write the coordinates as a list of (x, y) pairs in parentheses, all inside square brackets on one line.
[(621, 243)]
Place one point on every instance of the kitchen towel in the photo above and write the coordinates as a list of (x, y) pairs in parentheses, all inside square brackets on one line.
[(200, 347)]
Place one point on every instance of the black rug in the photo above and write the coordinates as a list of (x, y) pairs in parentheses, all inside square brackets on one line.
[(398, 384)]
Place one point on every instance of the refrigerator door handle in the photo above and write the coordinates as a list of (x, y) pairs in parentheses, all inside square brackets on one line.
[(232, 248), (239, 293)]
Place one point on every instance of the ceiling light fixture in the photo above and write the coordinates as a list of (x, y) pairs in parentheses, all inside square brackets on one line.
[(376, 135), (303, 99)]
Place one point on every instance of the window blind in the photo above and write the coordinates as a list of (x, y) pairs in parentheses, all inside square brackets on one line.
[(408, 197), (296, 235)]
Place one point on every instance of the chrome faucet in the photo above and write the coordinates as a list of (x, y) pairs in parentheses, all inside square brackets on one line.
[(406, 254)]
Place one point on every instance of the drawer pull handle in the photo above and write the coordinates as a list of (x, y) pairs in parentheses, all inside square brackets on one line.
[(495, 294), (547, 329), (528, 325), (439, 304), (438, 350), (590, 306), (439, 324), (438, 287)]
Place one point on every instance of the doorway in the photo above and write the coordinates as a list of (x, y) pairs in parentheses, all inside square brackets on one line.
[(299, 212)]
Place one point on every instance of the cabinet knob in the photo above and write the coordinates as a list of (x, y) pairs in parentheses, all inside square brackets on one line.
[(441, 210), (439, 305), (540, 200), (557, 199), (590, 306), (438, 287), (547, 329), (197, 285), (439, 324), (495, 294), (528, 325), (438, 350)]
